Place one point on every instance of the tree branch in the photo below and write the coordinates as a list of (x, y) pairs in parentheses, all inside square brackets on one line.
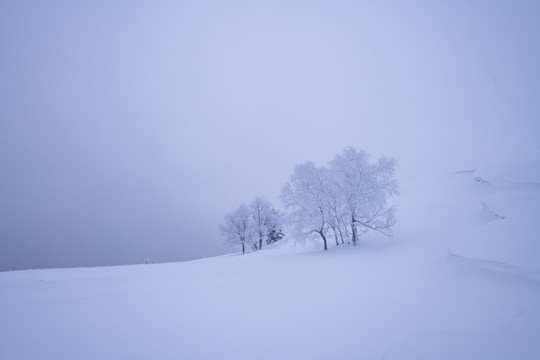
[(376, 228)]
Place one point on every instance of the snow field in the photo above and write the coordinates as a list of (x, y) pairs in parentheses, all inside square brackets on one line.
[(455, 282)]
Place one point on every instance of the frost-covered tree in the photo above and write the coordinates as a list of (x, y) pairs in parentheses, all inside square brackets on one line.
[(252, 225), (344, 200), (304, 195), (237, 227), (364, 190), (337, 213), (261, 211)]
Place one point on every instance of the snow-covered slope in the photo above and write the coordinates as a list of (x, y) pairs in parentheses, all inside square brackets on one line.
[(459, 280)]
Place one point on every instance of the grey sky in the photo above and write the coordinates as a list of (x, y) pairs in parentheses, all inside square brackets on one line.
[(128, 129)]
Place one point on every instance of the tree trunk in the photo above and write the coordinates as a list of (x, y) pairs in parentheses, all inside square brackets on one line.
[(243, 248), (324, 239), (260, 243), (335, 236), (353, 228)]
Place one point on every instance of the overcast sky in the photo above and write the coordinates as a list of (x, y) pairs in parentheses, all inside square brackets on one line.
[(129, 129)]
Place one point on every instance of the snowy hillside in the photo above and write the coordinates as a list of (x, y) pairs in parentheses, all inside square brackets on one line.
[(460, 279)]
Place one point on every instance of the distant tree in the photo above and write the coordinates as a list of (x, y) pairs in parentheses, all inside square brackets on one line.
[(237, 227), (261, 212), (252, 225), (304, 195)]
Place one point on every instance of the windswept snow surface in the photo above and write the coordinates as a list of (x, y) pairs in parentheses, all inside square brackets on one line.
[(459, 280)]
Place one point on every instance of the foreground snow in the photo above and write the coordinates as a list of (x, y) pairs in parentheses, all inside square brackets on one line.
[(456, 282)]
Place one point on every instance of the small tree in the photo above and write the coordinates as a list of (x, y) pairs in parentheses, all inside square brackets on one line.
[(275, 227), (237, 227), (252, 225), (261, 211)]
